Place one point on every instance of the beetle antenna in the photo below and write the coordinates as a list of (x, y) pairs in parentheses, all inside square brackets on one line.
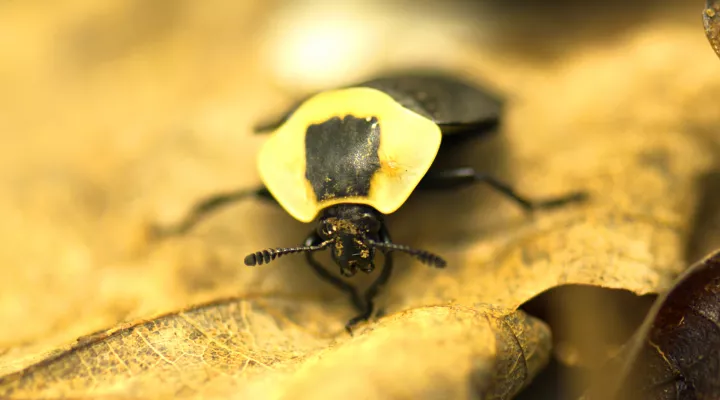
[(425, 257), (267, 255)]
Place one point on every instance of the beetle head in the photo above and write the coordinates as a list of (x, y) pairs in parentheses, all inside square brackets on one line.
[(353, 230), (353, 233)]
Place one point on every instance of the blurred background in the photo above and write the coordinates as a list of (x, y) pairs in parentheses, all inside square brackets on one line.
[(119, 113)]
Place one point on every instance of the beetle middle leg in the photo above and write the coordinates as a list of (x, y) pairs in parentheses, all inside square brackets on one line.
[(207, 206), (461, 177)]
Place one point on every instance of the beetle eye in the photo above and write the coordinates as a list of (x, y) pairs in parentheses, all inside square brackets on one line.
[(370, 222), (326, 228)]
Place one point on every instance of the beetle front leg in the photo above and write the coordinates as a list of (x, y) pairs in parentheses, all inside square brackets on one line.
[(372, 291), (312, 240)]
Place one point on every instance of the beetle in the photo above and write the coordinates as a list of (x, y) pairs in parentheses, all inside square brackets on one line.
[(347, 157)]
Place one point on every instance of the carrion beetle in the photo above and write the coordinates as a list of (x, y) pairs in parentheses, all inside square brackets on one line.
[(346, 157)]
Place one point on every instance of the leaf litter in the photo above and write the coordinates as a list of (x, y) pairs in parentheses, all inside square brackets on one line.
[(676, 352), (611, 126)]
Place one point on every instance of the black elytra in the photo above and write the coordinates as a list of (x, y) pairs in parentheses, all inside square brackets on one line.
[(344, 158)]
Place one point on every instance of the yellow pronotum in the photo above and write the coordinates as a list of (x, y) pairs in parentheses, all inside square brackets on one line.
[(409, 144)]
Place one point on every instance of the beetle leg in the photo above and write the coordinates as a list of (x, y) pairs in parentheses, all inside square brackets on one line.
[(375, 287), (459, 134), (207, 206), (460, 177), (313, 240)]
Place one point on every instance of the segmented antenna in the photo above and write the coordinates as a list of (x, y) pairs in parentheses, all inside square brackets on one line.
[(267, 255), (425, 257)]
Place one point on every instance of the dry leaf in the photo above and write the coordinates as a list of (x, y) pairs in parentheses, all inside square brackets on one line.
[(676, 353), (147, 122), (249, 348), (711, 20)]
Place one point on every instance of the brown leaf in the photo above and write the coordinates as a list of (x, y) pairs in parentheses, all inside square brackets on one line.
[(240, 347), (676, 353), (194, 352), (437, 352), (711, 21), (95, 145)]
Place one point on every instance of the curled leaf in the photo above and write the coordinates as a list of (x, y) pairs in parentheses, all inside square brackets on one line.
[(676, 353)]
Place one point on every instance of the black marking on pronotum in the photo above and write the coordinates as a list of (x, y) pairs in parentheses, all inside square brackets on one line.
[(342, 156)]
